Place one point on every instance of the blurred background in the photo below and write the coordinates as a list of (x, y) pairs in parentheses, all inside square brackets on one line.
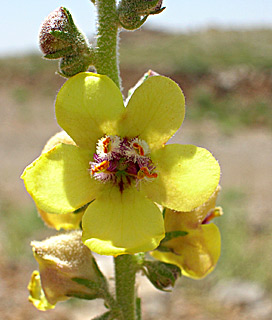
[(220, 53)]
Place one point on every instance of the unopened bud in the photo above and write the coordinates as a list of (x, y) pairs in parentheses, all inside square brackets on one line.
[(161, 275), (61, 259), (60, 38), (133, 13), (158, 8), (55, 22)]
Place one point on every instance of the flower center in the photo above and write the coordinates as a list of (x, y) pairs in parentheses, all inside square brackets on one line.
[(122, 160)]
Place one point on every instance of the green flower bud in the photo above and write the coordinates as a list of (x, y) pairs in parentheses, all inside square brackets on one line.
[(161, 275), (60, 38), (133, 13), (61, 259)]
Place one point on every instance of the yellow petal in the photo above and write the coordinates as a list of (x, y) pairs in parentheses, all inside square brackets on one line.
[(196, 253), (178, 220), (36, 294), (154, 112), (59, 137), (88, 107), (117, 223), (66, 221), (59, 180), (187, 177)]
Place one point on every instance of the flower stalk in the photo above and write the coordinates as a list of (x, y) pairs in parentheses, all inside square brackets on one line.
[(107, 40), (125, 270)]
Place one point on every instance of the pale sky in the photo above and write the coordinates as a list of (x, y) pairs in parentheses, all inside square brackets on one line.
[(20, 19)]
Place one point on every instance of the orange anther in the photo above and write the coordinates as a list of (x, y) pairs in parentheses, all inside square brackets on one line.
[(106, 143), (100, 167), (140, 149), (144, 171)]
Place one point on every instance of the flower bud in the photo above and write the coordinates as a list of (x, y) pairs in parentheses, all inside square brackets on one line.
[(133, 13), (161, 275), (158, 6), (60, 38), (56, 33), (62, 258)]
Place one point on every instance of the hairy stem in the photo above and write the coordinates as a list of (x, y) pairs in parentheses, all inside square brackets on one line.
[(107, 40), (125, 270)]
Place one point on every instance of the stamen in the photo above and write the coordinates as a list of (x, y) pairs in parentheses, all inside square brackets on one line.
[(122, 161), (139, 148), (106, 143), (216, 212), (144, 172), (100, 167)]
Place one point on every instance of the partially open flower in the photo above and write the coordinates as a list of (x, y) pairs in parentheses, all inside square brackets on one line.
[(62, 258), (197, 252)]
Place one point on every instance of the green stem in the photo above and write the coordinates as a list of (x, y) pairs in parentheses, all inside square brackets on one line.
[(125, 270), (107, 40)]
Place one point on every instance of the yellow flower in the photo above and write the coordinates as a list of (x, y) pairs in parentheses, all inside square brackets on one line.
[(61, 258), (121, 161), (197, 252)]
